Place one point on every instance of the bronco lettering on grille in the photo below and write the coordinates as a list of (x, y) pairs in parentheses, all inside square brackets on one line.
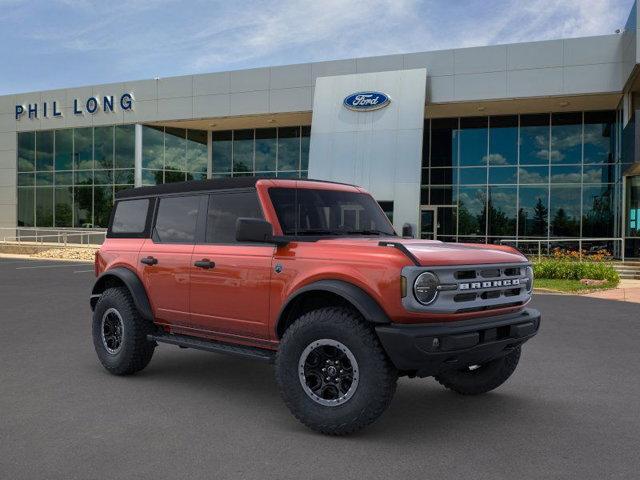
[(489, 284)]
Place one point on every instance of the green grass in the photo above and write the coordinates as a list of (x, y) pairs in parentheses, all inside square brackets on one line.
[(569, 286)]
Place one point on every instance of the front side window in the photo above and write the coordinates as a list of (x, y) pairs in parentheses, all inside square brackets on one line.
[(328, 212), (176, 220), (224, 209), (130, 216)]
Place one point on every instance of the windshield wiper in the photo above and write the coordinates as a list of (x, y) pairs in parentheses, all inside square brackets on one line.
[(370, 232), (322, 231)]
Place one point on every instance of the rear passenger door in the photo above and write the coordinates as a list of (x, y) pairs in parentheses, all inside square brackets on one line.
[(165, 258), (229, 280)]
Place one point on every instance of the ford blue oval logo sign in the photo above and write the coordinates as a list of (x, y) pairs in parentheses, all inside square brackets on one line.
[(366, 101)]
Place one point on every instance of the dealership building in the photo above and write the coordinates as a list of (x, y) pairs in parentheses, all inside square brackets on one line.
[(531, 144)]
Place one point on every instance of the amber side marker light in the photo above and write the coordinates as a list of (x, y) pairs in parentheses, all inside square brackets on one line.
[(403, 286)]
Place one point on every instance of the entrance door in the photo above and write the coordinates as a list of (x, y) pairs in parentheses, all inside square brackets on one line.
[(428, 223)]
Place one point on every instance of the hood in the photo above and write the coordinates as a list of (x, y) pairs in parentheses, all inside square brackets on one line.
[(433, 252), (430, 252)]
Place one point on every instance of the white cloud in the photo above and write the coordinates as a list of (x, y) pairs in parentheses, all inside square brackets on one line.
[(144, 38)]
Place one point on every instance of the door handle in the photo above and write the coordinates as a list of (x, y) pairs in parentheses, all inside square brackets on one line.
[(204, 263), (149, 260)]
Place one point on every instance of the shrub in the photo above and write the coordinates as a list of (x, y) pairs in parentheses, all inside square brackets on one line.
[(575, 270)]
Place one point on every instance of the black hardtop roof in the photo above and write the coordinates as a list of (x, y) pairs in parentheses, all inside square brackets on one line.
[(202, 185)]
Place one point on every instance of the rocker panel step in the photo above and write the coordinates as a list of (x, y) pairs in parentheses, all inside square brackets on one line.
[(186, 341)]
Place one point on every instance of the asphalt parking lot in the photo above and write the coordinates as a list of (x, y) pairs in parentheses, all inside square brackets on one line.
[(570, 411)]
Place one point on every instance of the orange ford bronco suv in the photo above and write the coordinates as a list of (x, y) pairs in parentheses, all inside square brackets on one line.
[(310, 276)]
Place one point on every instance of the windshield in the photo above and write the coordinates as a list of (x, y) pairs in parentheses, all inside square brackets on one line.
[(328, 212)]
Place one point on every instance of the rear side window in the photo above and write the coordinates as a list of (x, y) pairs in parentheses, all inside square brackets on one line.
[(130, 216), (176, 220), (224, 209)]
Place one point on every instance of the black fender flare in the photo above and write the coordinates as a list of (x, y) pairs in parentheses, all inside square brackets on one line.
[(356, 296), (133, 284)]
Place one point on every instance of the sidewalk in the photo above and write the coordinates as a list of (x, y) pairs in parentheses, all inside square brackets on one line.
[(627, 291)]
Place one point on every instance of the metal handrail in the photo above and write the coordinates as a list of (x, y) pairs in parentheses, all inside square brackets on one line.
[(62, 237), (579, 241)]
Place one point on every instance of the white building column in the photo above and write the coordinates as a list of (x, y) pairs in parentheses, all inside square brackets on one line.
[(138, 156), (379, 150)]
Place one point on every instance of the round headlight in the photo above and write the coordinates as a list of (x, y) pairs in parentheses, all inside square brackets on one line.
[(529, 274), (425, 288)]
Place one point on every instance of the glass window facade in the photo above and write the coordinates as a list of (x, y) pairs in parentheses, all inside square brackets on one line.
[(265, 152), (68, 177), (540, 176), (173, 155)]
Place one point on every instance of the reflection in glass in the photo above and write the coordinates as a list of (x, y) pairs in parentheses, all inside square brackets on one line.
[(443, 196), (471, 211), (473, 176), (503, 175), (175, 149), (597, 211), (197, 153), (304, 149), (63, 178), (447, 221), (44, 179), (63, 159), (44, 150), (564, 212), (503, 140), (26, 179), (534, 139), (444, 142), (221, 146), (473, 141), (82, 206), (103, 177), (26, 205), (571, 174), (534, 175), (83, 148), (44, 206), (26, 151), (242, 151), (599, 141), (103, 147), (266, 146), (444, 176), (125, 150), (102, 203), (605, 173), (83, 177), (288, 148), (533, 214), (566, 138), (501, 211), (63, 206), (152, 147)]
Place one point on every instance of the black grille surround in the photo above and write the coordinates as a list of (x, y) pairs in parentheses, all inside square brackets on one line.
[(469, 288)]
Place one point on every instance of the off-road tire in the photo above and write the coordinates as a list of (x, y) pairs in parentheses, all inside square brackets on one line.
[(136, 351), (482, 380), (377, 376)]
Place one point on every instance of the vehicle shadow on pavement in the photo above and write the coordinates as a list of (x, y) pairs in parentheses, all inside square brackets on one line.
[(421, 407)]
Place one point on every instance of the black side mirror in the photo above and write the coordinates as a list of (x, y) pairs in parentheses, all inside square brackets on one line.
[(407, 230), (254, 230)]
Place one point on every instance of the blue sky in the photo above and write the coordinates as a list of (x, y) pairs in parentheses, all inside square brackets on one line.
[(47, 44)]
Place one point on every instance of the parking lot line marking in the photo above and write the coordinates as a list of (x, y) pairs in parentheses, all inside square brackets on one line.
[(53, 266), (83, 271)]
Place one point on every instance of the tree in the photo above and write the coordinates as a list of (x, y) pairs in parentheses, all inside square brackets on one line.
[(540, 219)]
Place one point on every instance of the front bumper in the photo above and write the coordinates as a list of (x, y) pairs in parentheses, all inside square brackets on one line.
[(427, 349)]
